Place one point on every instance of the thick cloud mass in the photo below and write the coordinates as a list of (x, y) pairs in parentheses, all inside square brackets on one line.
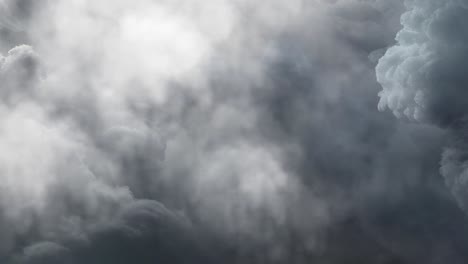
[(424, 78), (224, 131)]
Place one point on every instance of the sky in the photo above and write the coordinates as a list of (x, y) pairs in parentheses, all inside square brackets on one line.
[(233, 131)]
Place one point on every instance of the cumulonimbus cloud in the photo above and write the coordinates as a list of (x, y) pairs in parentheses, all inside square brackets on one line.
[(424, 78), (224, 131)]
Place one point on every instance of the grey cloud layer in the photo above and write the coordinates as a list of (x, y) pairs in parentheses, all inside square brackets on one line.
[(222, 131)]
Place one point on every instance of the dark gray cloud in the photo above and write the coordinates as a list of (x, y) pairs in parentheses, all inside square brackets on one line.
[(143, 232), (217, 132), (423, 77)]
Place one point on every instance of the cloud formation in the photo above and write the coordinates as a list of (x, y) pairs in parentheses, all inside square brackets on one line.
[(214, 132), (423, 78)]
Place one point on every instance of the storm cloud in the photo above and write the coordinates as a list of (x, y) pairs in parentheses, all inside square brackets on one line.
[(424, 79), (230, 131)]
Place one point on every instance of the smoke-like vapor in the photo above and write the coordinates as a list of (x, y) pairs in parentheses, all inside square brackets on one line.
[(424, 78), (104, 93), (220, 131)]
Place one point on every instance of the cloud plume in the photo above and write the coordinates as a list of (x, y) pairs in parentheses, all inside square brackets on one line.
[(423, 78)]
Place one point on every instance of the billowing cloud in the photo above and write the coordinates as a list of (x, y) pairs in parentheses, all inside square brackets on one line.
[(215, 132), (423, 78)]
